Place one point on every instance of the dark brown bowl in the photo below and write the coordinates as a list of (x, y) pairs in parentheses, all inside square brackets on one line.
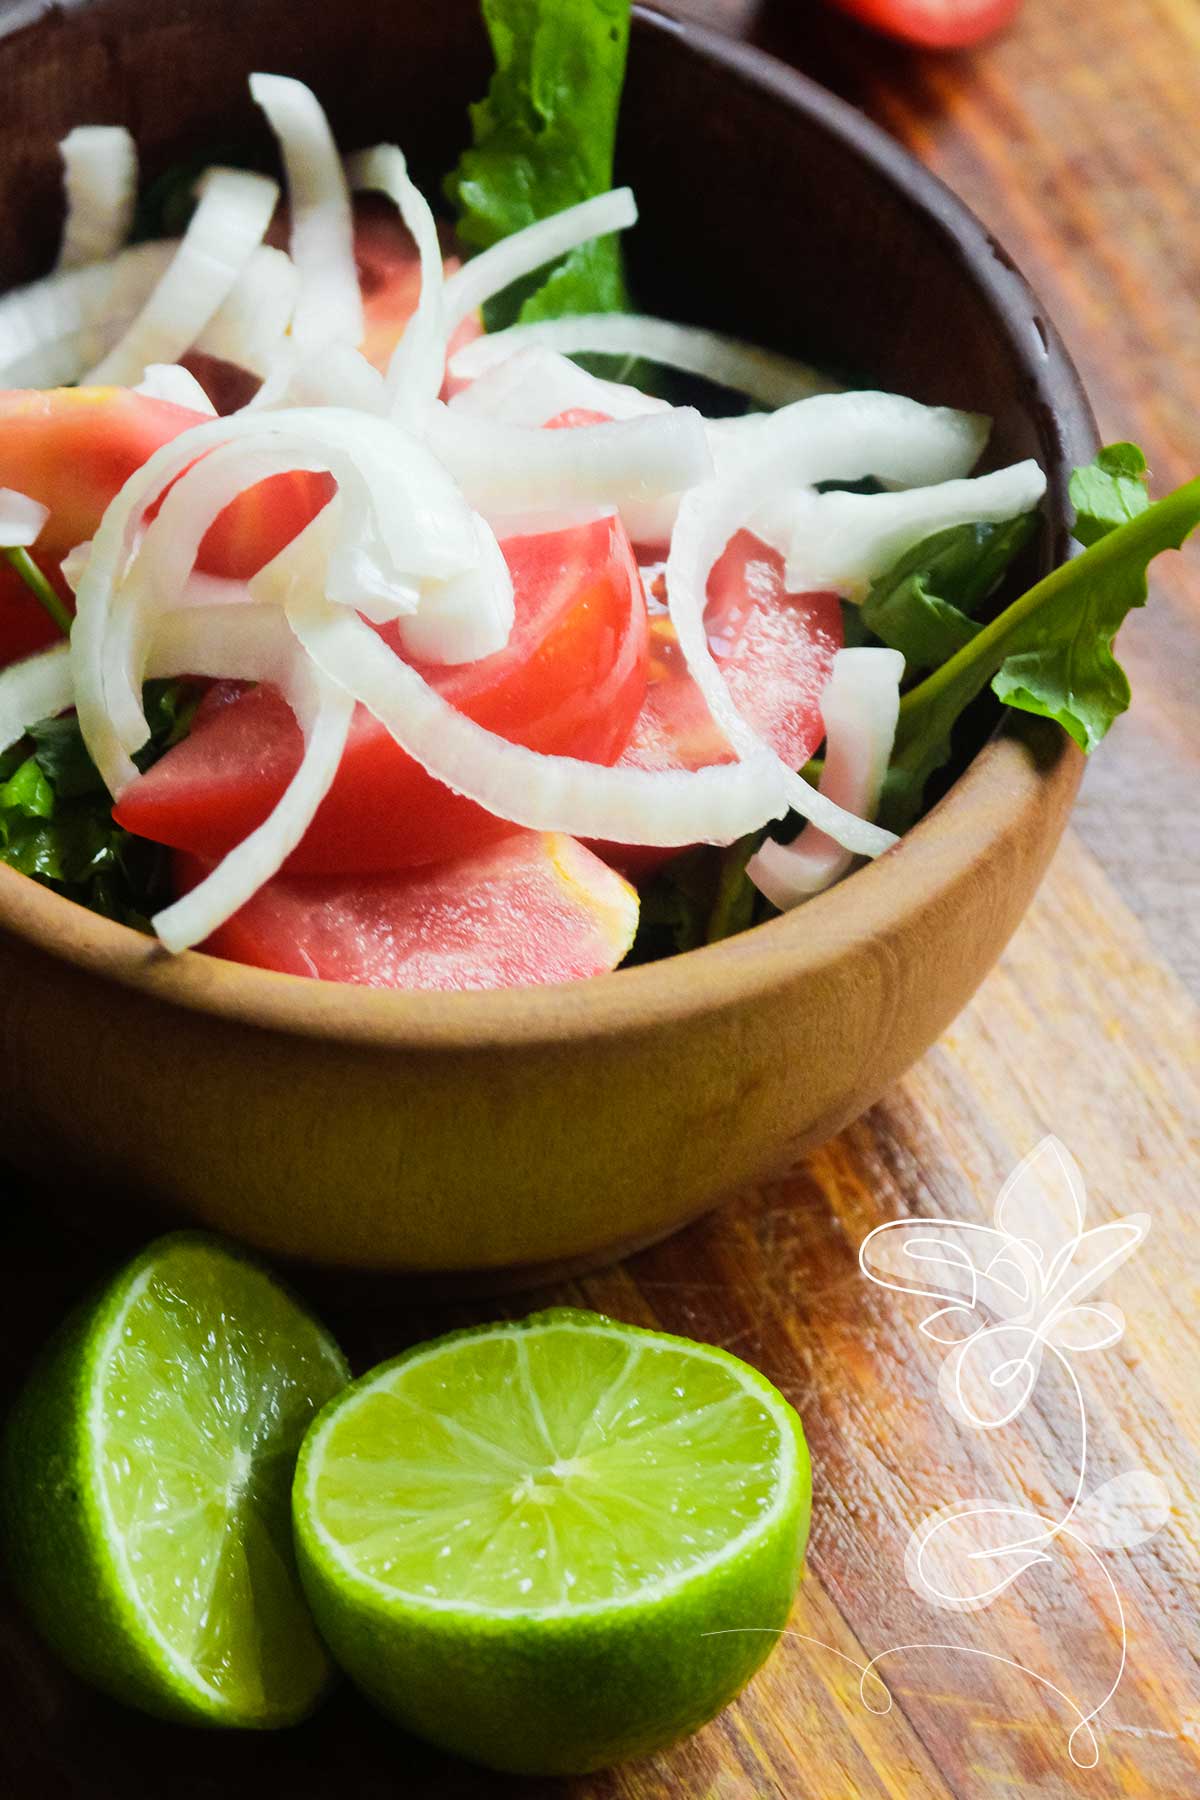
[(507, 1133)]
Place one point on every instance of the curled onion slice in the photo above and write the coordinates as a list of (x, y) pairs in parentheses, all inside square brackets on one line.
[(323, 712), (21, 519), (418, 363), (53, 329), (329, 306), (533, 386), (100, 178), (250, 326), (36, 688), (761, 375), (860, 707), (227, 226), (845, 540), (547, 793), (493, 270), (171, 381), (401, 510), (628, 464)]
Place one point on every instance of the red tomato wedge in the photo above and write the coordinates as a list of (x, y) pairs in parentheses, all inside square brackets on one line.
[(389, 275), (73, 449), (532, 909), (571, 680), (934, 24), (776, 652)]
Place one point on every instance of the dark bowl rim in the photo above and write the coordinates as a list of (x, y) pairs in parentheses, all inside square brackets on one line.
[(1025, 766)]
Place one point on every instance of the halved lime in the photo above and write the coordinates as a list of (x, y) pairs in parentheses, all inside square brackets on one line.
[(146, 1485), (551, 1545)]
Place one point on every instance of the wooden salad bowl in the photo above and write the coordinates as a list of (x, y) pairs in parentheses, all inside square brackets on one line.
[(502, 1136)]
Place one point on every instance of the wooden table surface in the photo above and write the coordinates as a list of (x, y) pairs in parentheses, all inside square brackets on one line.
[(1077, 138)]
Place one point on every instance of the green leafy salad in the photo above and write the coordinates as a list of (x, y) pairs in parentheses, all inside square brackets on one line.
[(388, 600)]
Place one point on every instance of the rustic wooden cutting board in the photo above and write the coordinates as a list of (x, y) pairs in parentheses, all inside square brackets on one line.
[(1077, 138)]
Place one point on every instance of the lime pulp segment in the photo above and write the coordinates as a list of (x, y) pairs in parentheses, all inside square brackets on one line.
[(555, 1467)]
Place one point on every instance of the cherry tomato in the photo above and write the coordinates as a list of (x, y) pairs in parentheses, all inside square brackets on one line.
[(934, 24), (570, 680), (532, 908)]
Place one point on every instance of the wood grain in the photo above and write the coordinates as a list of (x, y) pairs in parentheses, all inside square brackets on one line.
[(1077, 138)]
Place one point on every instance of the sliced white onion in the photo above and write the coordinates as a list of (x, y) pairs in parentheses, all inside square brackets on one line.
[(52, 330), (401, 510), (323, 711), (329, 307), (844, 540), (844, 437), (171, 381), (859, 707), (761, 375), (36, 688), (533, 386), (100, 169), (227, 226), (336, 375), (21, 519), (418, 363), (250, 327), (628, 464), (547, 793), (495, 269)]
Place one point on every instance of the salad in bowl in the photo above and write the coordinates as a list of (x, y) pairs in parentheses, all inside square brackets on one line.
[(388, 602)]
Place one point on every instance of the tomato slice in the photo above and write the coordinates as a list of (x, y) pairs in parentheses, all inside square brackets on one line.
[(776, 653), (530, 909), (570, 680), (934, 24), (389, 275), (74, 448)]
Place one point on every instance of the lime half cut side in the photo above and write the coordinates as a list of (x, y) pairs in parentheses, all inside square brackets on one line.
[(147, 1479), (551, 1545)]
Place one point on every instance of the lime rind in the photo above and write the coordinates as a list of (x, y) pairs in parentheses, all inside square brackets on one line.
[(573, 1685), (69, 1523)]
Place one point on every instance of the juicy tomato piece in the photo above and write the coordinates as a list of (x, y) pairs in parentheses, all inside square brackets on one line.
[(776, 653), (531, 909), (570, 680), (934, 24), (389, 275), (73, 449)]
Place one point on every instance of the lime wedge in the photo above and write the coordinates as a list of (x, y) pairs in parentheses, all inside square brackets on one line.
[(146, 1487), (551, 1545)]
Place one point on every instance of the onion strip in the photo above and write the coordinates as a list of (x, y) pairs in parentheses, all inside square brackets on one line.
[(226, 228), (329, 307), (762, 375), (100, 167), (418, 364), (36, 688), (21, 519), (860, 707), (520, 254)]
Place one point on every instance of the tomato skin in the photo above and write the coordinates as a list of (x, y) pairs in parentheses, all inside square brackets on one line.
[(570, 681), (776, 653), (73, 449), (934, 24), (533, 908)]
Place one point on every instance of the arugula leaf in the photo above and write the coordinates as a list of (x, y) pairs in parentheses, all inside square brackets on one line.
[(544, 139), (1109, 492), (56, 821), (1049, 653), (923, 605)]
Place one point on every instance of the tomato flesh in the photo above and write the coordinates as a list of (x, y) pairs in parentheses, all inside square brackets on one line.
[(533, 908), (776, 653), (570, 681), (934, 24), (73, 449)]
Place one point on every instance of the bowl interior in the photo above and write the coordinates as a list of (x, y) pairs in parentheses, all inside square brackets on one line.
[(767, 207)]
